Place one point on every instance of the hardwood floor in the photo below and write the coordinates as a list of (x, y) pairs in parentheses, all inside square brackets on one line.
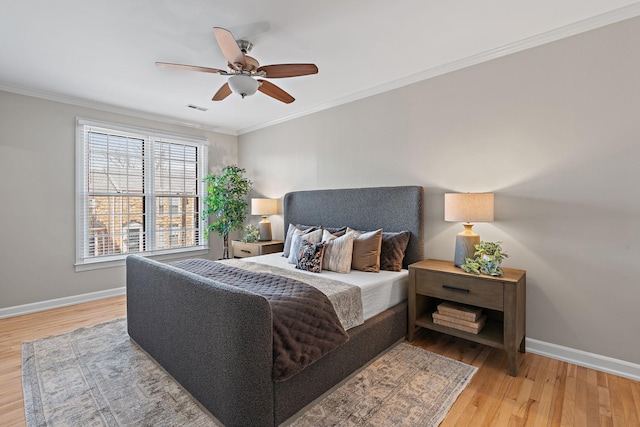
[(545, 393)]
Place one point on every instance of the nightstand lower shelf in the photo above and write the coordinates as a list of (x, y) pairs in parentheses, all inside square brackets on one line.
[(492, 334)]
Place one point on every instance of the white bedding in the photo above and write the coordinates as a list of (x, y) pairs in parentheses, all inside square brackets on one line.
[(380, 291)]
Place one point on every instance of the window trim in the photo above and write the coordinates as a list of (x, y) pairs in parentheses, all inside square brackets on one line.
[(82, 194)]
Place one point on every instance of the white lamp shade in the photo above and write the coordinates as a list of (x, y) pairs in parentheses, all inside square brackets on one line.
[(264, 206), (468, 207), (243, 84)]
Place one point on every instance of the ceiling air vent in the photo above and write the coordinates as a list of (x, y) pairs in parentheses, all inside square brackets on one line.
[(195, 107)]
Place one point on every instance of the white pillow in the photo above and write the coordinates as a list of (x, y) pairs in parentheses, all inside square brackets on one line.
[(290, 230), (337, 252), (296, 243)]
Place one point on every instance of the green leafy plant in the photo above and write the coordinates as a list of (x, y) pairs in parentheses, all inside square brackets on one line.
[(488, 258), (251, 233), (226, 201)]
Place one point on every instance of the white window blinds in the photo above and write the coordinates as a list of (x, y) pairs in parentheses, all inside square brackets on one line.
[(138, 192)]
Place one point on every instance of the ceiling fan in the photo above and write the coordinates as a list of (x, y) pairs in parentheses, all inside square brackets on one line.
[(244, 69)]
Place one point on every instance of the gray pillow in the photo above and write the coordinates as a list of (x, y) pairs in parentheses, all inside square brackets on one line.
[(336, 231)]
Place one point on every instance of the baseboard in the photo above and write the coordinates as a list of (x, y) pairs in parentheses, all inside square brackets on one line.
[(59, 302), (586, 359)]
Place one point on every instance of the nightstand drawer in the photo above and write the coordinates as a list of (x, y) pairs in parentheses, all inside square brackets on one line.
[(466, 290), (243, 250)]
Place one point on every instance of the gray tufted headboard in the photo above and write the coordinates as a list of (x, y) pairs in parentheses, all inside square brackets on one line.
[(389, 208)]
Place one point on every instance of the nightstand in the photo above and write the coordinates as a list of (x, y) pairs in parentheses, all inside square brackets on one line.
[(503, 300), (242, 250)]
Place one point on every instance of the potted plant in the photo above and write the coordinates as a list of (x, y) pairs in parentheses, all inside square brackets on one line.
[(489, 256), (226, 200)]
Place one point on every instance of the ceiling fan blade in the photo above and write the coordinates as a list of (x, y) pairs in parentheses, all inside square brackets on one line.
[(229, 47), (191, 68), (288, 70), (275, 92), (222, 93)]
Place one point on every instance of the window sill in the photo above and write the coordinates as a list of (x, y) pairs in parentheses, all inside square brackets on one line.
[(120, 260)]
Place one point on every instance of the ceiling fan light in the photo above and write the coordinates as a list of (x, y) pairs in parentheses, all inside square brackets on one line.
[(243, 84)]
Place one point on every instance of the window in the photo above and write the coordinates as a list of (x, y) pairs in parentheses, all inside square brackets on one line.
[(138, 192)]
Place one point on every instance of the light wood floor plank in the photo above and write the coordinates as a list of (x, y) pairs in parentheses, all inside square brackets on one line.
[(617, 408), (523, 401), (569, 398), (581, 396), (593, 399), (558, 394), (635, 391), (630, 406), (546, 392)]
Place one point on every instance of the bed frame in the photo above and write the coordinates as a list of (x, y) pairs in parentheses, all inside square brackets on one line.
[(215, 340)]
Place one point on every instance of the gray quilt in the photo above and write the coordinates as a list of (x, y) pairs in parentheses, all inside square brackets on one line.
[(305, 324)]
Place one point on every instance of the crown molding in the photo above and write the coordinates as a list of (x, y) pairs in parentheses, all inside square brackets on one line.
[(81, 102), (576, 28)]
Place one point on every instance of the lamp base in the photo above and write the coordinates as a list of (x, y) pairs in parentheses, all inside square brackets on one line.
[(264, 228), (465, 242)]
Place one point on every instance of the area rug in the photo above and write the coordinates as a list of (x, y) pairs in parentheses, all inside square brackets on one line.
[(407, 386), (96, 376)]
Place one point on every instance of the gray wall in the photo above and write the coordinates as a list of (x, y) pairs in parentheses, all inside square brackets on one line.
[(554, 131), (37, 198)]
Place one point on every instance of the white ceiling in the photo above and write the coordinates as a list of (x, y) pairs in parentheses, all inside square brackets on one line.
[(101, 53)]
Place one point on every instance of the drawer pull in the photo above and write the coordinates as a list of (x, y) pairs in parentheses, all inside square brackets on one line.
[(453, 288), (245, 251)]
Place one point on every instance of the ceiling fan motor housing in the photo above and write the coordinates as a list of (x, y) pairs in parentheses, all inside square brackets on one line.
[(245, 46), (251, 66)]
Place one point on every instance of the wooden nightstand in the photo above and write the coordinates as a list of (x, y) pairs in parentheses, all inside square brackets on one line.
[(502, 298), (242, 250)]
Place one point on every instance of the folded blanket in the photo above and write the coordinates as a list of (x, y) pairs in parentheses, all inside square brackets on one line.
[(305, 324)]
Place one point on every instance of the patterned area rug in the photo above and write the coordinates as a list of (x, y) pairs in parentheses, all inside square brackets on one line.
[(407, 386), (96, 376)]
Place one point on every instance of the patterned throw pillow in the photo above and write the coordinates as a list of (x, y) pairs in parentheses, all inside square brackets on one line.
[(338, 252), (310, 256)]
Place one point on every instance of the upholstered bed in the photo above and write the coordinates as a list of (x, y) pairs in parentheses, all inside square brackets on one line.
[(217, 340)]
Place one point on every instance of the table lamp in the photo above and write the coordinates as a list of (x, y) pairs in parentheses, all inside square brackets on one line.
[(467, 208), (264, 207)]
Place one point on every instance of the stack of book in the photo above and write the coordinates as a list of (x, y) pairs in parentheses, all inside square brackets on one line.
[(462, 317)]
